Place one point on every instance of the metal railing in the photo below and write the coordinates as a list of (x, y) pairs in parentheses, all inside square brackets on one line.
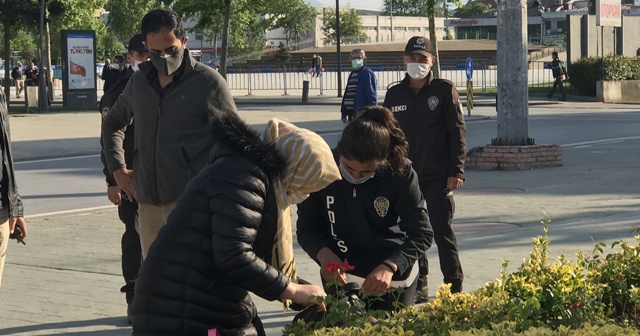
[(285, 78)]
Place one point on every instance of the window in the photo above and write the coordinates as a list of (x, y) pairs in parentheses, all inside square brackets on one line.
[(416, 29)]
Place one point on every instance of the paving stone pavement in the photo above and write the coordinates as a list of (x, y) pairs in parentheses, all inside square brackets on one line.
[(66, 279)]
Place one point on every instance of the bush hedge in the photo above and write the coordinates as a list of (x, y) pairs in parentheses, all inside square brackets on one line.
[(595, 295), (585, 72)]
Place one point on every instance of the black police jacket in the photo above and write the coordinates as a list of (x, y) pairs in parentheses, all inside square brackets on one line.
[(433, 122)]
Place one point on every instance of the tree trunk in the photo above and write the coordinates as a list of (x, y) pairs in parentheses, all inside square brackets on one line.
[(434, 46), (225, 38), (47, 49), (7, 57), (215, 46), (513, 89)]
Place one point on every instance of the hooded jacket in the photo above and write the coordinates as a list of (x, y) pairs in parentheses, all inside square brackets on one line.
[(173, 138), (210, 254)]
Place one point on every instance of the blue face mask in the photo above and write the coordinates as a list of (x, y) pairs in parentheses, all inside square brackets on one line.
[(357, 63), (349, 178)]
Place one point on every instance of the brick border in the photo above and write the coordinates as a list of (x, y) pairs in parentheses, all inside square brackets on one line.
[(514, 157)]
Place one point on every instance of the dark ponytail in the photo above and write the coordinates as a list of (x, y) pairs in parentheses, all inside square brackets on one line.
[(375, 135)]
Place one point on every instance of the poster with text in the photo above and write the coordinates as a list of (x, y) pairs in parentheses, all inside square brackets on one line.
[(81, 62)]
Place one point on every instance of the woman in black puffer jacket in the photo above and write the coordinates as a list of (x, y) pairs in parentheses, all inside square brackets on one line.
[(211, 252)]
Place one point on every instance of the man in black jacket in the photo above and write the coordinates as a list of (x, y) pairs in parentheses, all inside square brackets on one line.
[(559, 71), (430, 114), (127, 207), (11, 213)]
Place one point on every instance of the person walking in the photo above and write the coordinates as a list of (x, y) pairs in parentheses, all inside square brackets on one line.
[(559, 71), (117, 72), (230, 234), (12, 223), (431, 116), (316, 65), (175, 98), (375, 217), (18, 77), (361, 89), (31, 75), (127, 207)]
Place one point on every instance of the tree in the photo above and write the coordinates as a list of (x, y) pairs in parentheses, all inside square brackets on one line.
[(472, 9), (350, 26), (428, 8), (413, 8), (22, 13), (282, 54), (293, 16), (125, 16)]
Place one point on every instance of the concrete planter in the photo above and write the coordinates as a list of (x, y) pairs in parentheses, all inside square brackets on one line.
[(625, 91)]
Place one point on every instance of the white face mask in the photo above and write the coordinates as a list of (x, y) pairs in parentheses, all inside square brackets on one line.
[(136, 63), (349, 178), (418, 71)]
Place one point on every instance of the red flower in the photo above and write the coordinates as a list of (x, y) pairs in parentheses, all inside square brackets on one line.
[(346, 266), (332, 267)]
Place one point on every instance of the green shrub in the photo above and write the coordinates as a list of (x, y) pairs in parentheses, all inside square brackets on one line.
[(540, 298), (585, 72)]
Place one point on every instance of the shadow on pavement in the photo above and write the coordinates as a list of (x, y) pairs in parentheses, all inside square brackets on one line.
[(55, 328)]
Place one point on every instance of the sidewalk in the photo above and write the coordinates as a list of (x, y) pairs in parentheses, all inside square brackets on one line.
[(66, 279)]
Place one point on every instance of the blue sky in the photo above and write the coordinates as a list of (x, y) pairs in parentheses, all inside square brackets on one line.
[(365, 4)]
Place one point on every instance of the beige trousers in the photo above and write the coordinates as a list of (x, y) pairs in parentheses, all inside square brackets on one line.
[(4, 238), (151, 218)]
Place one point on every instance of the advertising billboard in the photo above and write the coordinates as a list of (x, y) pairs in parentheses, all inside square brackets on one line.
[(609, 13), (79, 87)]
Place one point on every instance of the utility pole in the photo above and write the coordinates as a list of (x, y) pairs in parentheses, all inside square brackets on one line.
[(391, 13), (339, 72), (513, 84), (43, 101)]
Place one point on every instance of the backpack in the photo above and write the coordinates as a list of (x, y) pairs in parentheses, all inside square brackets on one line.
[(16, 73)]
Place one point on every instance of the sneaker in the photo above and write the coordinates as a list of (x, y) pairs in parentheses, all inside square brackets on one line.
[(129, 315), (422, 292)]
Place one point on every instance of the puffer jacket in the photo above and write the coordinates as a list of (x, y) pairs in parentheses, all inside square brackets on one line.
[(211, 253)]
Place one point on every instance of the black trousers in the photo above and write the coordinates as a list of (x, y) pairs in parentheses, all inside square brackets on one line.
[(441, 209), (558, 83), (131, 250)]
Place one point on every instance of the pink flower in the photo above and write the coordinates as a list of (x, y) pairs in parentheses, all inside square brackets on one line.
[(346, 266), (332, 267)]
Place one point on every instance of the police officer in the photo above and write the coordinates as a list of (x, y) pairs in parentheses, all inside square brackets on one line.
[(127, 208), (430, 114)]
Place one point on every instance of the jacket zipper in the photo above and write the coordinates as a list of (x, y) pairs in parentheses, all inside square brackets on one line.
[(155, 154)]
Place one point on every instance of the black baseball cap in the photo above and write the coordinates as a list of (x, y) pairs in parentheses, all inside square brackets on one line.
[(137, 44), (418, 45)]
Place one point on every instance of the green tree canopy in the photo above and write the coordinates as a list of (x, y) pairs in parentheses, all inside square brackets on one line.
[(125, 16), (415, 7), (351, 30), (472, 9), (293, 16)]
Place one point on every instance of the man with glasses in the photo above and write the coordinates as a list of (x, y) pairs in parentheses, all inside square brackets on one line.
[(430, 114), (173, 98)]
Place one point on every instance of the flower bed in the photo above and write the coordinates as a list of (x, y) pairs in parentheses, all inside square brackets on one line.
[(595, 295)]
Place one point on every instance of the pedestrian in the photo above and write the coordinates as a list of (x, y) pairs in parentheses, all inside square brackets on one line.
[(117, 72), (127, 207), (31, 75), (430, 114), (375, 217), (316, 65), (174, 97), (230, 234), (302, 67), (105, 70), (361, 89), (559, 71), (17, 75), (12, 223)]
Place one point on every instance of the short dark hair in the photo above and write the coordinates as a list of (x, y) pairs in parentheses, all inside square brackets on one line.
[(162, 21), (555, 53), (120, 58)]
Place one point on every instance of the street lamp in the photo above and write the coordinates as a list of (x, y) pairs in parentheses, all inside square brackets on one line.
[(339, 72)]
